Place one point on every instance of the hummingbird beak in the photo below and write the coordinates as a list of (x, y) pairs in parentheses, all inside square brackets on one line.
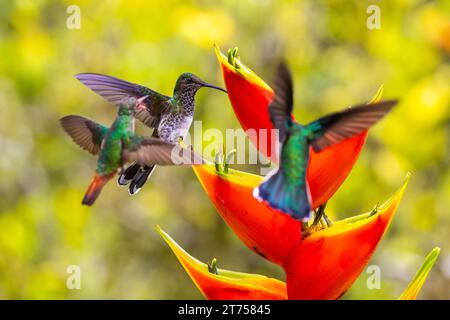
[(204, 84)]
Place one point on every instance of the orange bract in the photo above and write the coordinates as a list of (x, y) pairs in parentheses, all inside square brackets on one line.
[(322, 266), (325, 264), (250, 96), (266, 231), (226, 285)]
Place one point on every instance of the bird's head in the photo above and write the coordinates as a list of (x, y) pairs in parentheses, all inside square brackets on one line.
[(188, 82)]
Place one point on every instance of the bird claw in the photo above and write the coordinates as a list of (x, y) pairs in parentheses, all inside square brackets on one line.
[(321, 221), (309, 230)]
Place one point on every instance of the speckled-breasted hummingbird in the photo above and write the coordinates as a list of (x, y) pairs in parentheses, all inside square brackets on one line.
[(118, 145), (171, 117), (286, 188)]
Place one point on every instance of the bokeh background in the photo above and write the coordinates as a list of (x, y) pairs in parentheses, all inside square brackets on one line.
[(336, 62)]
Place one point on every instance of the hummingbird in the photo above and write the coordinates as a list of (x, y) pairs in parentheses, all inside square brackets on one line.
[(286, 188), (118, 144), (171, 117)]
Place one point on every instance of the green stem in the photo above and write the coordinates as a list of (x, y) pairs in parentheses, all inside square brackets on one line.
[(212, 267)]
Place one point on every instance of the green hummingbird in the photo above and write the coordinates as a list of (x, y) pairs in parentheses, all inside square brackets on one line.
[(286, 188), (171, 117), (118, 145)]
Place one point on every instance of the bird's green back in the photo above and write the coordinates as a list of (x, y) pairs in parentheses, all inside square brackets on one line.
[(110, 158), (295, 156)]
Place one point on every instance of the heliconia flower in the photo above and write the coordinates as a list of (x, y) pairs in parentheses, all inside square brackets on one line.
[(250, 95), (219, 284), (325, 264), (264, 230), (417, 282), (337, 253)]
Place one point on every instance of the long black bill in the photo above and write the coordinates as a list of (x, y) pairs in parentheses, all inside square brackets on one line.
[(204, 84)]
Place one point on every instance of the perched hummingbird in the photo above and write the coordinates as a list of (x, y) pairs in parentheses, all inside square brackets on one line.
[(118, 144), (171, 117), (286, 188)]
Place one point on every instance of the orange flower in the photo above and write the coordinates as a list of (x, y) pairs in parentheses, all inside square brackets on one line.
[(325, 264), (226, 285), (266, 231), (250, 95), (334, 255), (219, 284)]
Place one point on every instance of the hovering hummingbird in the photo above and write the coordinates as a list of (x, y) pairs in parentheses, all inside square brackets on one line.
[(118, 144), (171, 117), (286, 188)]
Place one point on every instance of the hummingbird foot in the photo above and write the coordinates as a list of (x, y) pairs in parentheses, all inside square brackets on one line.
[(321, 221), (327, 220), (127, 175), (305, 230), (308, 230), (181, 142)]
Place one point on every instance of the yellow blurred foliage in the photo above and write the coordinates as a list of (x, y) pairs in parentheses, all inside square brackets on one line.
[(336, 60)]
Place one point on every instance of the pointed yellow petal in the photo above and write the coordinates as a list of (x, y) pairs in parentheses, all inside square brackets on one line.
[(226, 284), (239, 68), (325, 264), (377, 97), (417, 282)]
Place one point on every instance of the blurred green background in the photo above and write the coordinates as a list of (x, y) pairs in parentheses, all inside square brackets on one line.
[(336, 61)]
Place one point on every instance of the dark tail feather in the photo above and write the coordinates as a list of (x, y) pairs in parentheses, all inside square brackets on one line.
[(92, 193), (295, 202), (128, 175), (140, 179)]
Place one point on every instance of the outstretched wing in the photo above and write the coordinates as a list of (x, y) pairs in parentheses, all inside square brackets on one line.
[(116, 90), (151, 151), (339, 126), (280, 108), (84, 132)]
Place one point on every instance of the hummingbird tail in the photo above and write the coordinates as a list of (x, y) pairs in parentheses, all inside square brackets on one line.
[(295, 202), (140, 179), (128, 175), (93, 191)]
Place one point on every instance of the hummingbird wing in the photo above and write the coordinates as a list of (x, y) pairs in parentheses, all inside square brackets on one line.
[(339, 126), (84, 132), (116, 90), (151, 151), (280, 108)]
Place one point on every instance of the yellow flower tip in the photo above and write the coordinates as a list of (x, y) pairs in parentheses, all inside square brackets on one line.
[(164, 235), (378, 211), (408, 176), (239, 68), (186, 260), (417, 282), (377, 97), (220, 56), (393, 201), (216, 283), (402, 189), (397, 196)]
